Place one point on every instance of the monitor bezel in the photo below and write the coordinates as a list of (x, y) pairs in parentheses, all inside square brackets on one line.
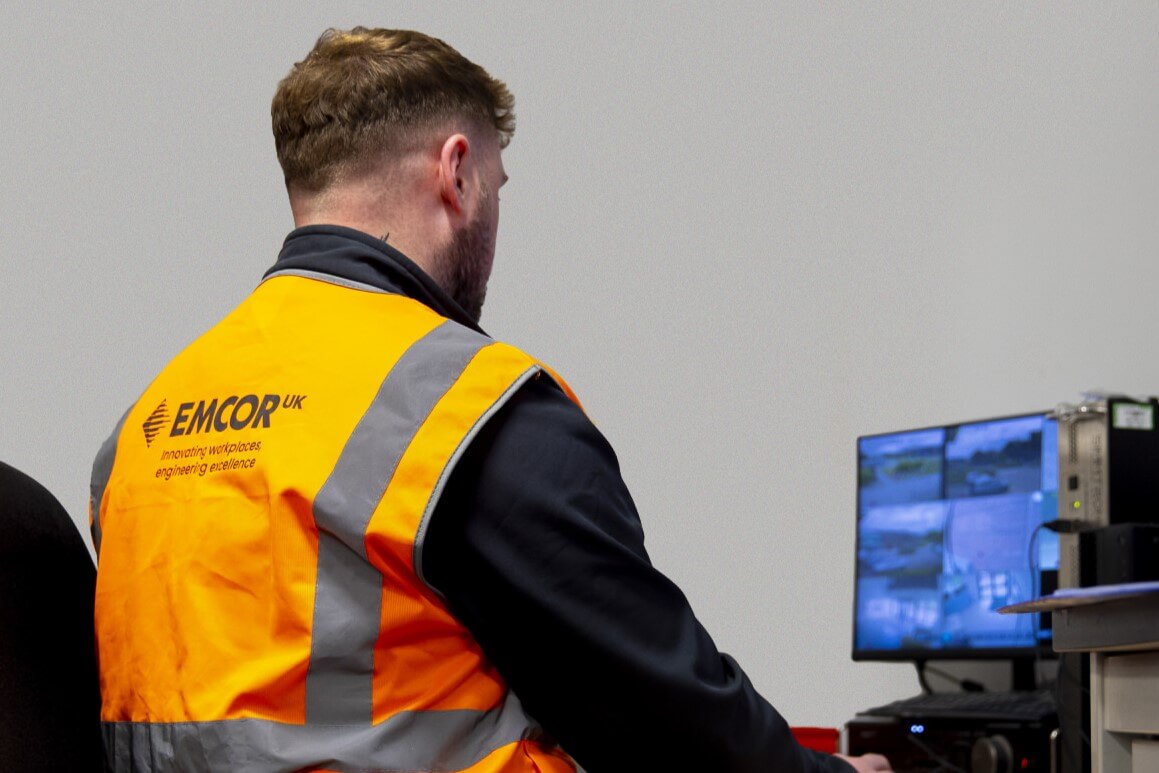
[(1042, 649)]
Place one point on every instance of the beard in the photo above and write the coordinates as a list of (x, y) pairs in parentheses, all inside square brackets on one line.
[(464, 266)]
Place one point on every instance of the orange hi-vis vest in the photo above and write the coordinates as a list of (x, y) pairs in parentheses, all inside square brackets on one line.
[(259, 516)]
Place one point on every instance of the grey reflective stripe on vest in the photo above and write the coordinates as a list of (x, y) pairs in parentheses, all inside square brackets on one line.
[(420, 537), (102, 470), (408, 741), (348, 591)]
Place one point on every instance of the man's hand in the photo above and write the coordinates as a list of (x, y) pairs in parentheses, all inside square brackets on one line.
[(868, 763)]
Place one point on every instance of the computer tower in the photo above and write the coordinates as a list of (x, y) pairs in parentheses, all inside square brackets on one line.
[(1108, 470)]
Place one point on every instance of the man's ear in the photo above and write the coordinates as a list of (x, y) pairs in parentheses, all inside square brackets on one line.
[(453, 166)]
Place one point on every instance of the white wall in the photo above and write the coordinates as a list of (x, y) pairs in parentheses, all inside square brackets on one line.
[(746, 234)]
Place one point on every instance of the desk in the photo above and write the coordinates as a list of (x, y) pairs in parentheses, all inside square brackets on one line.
[(1122, 637)]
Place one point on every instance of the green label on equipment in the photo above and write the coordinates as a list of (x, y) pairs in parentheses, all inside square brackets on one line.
[(1132, 416)]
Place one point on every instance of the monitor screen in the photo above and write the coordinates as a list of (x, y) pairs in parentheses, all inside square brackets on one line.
[(947, 532)]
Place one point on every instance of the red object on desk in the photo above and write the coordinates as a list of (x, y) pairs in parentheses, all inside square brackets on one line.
[(821, 739)]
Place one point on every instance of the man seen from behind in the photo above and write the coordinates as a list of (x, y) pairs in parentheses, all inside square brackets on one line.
[(345, 530)]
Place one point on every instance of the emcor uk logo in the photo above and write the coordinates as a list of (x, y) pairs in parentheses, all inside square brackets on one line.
[(235, 412)]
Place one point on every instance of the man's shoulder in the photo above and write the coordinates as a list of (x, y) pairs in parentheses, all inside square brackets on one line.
[(32, 515), (20, 490)]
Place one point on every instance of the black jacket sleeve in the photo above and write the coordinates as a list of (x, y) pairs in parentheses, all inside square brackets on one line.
[(538, 549)]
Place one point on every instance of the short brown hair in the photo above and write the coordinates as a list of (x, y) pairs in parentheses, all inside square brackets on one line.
[(364, 92)]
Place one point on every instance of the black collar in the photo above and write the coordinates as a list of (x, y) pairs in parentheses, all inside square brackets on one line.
[(359, 257)]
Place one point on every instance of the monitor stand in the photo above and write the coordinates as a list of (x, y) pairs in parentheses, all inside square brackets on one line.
[(1023, 674)]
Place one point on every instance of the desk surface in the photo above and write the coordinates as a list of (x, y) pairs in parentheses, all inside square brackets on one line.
[(1113, 625), (1068, 598)]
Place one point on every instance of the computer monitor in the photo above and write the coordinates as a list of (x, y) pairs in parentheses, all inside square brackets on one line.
[(949, 530)]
